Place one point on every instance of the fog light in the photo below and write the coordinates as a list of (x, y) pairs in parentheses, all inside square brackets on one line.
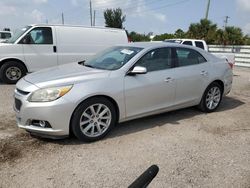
[(42, 123)]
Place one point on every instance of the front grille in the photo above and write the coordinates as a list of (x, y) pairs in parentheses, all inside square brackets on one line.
[(18, 104)]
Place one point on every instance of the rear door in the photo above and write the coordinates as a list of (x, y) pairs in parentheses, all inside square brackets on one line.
[(40, 51), (154, 90), (192, 75)]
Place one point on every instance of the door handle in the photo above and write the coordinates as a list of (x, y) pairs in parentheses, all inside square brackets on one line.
[(168, 79), (54, 49), (204, 73)]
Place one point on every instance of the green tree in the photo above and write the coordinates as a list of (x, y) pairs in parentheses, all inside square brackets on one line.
[(114, 18), (137, 37), (163, 37), (234, 35), (205, 30), (179, 33)]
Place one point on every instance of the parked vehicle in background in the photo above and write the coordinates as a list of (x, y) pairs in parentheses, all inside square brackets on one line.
[(192, 42), (230, 57), (4, 35), (122, 83), (36, 47)]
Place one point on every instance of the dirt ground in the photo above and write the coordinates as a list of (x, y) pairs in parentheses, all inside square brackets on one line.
[(191, 148)]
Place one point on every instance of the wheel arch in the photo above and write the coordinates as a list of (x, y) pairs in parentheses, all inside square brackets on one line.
[(3, 61), (220, 82), (117, 110)]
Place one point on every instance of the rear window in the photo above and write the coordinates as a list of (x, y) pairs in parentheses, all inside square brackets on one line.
[(188, 43), (186, 57), (199, 44)]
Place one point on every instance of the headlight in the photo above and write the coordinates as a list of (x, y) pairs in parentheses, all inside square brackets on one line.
[(49, 94)]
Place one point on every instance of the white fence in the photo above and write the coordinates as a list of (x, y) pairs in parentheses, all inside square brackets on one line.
[(242, 53)]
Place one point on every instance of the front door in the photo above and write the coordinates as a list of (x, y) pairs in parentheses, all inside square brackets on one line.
[(154, 90), (40, 49)]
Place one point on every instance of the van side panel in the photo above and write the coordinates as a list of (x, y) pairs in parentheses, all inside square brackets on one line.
[(80, 43)]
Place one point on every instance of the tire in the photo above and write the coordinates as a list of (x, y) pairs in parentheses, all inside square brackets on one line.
[(89, 126), (11, 72), (211, 98)]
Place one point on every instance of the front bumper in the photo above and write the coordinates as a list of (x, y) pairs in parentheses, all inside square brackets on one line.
[(57, 113)]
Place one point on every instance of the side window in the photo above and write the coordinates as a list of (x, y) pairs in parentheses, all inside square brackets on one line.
[(158, 59), (199, 44), (5, 35), (187, 57), (41, 35), (188, 43)]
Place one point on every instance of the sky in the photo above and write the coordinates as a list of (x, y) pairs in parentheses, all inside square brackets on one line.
[(143, 16)]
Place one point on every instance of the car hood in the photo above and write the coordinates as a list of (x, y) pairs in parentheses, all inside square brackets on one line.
[(71, 73)]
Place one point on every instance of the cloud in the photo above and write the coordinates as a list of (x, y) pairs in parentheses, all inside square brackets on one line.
[(243, 5), (131, 8), (37, 16), (40, 1), (74, 2), (6, 10)]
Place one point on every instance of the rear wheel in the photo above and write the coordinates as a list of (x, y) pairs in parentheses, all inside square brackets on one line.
[(93, 119), (211, 98), (11, 72)]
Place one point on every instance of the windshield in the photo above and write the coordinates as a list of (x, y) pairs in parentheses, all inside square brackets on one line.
[(17, 34), (112, 58)]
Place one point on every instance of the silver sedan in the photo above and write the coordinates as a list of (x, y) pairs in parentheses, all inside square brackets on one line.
[(119, 84)]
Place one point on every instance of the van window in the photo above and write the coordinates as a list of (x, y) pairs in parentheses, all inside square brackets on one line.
[(5, 35), (188, 43), (41, 35), (199, 44), (157, 59), (187, 57)]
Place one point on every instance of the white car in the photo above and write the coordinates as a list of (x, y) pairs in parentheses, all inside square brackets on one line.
[(122, 83), (40, 46)]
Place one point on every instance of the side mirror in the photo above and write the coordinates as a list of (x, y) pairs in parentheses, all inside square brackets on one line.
[(26, 39), (138, 70)]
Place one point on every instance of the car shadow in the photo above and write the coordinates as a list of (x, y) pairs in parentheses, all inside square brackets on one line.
[(172, 118)]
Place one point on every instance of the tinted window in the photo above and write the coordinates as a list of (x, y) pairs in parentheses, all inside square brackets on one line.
[(41, 35), (187, 57), (188, 43), (5, 35), (158, 59), (199, 44)]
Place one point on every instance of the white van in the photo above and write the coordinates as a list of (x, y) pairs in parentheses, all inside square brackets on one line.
[(36, 47)]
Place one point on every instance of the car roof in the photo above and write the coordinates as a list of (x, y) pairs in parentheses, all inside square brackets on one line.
[(157, 44)]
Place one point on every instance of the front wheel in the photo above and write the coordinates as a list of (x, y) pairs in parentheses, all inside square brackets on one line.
[(211, 98), (93, 119), (11, 72)]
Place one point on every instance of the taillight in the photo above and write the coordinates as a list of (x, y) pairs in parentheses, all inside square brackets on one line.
[(231, 65)]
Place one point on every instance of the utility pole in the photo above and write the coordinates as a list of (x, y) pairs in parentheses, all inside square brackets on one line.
[(90, 11), (207, 11), (226, 21), (62, 18), (94, 19)]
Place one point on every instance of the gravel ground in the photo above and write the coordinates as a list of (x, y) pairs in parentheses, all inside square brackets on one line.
[(192, 149)]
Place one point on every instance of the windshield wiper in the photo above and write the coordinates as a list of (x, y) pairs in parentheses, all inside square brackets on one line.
[(89, 66)]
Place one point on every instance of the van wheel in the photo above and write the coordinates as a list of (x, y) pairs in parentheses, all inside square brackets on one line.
[(93, 119), (11, 72), (211, 98)]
